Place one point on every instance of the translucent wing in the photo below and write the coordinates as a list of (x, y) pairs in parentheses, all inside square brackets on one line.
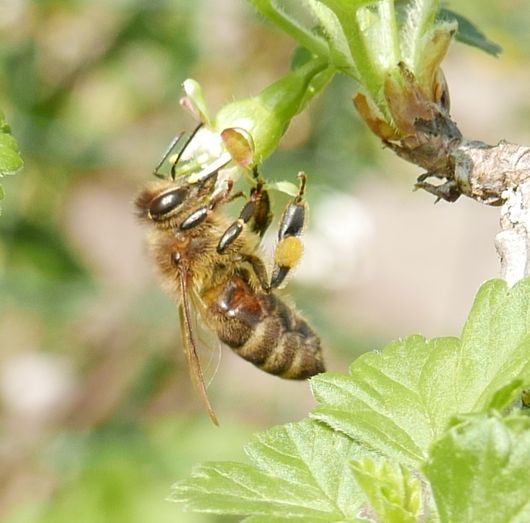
[(190, 346), (209, 347)]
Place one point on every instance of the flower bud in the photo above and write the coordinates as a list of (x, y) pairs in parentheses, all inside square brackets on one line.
[(262, 120)]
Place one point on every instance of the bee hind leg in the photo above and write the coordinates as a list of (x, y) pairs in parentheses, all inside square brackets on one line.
[(289, 247), (259, 270)]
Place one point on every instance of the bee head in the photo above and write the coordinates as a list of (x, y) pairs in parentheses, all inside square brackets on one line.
[(164, 205), (158, 204)]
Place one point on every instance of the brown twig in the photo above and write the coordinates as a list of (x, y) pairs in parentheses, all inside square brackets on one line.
[(490, 174)]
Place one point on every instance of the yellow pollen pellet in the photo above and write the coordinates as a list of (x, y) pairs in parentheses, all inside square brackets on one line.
[(288, 252)]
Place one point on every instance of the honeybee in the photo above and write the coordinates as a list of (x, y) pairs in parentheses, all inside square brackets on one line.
[(210, 264)]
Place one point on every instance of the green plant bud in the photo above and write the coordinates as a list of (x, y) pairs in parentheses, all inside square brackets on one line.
[(263, 119)]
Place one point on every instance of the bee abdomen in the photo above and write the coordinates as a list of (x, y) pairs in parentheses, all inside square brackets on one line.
[(263, 330), (295, 353)]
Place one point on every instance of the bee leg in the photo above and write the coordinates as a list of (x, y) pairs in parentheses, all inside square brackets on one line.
[(289, 248), (259, 270), (262, 216), (200, 214), (255, 214)]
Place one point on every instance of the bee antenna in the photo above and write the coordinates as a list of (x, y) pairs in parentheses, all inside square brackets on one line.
[(181, 152), (172, 145)]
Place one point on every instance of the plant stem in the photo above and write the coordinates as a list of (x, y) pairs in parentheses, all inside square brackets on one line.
[(369, 75), (305, 38)]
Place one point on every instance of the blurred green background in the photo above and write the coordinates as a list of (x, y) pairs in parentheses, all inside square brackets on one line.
[(98, 417)]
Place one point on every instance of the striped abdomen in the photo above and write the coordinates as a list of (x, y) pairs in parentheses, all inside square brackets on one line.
[(260, 328)]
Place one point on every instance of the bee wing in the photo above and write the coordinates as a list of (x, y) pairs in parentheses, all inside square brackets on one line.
[(208, 344), (190, 348)]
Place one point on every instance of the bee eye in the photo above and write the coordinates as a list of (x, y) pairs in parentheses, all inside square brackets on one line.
[(166, 202)]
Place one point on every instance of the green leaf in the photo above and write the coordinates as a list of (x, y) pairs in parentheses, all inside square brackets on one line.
[(300, 471), (506, 396), (299, 57), (400, 400), (480, 471), (393, 491), (4, 126), (468, 33), (386, 403), (10, 160), (269, 519), (495, 342), (284, 187)]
